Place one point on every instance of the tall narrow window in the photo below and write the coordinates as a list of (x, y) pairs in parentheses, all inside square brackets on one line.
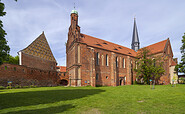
[(116, 61), (97, 76), (120, 62), (102, 57), (97, 58), (107, 60), (136, 64), (123, 62)]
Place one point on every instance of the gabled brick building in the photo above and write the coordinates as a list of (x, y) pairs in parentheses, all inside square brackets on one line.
[(93, 61), (38, 55), (37, 66)]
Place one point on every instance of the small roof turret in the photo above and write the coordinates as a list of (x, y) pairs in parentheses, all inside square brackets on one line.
[(74, 11)]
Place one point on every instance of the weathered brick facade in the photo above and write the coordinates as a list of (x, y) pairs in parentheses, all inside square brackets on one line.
[(38, 55), (36, 62), (26, 76), (92, 61)]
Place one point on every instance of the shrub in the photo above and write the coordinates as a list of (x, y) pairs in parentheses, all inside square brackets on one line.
[(8, 87), (2, 87), (25, 87), (33, 86), (181, 80), (17, 86)]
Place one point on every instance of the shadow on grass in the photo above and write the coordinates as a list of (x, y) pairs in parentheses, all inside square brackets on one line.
[(10, 100), (50, 110)]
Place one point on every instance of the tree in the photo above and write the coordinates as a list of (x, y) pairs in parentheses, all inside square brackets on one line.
[(181, 66), (4, 48), (12, 60), (149, 66)]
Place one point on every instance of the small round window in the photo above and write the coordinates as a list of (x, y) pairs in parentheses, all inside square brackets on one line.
[(107, 77)]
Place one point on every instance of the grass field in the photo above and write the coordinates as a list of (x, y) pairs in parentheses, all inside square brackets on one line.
[(90, 100)]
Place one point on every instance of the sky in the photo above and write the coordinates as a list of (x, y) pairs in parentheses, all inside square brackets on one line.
[(110, 20)]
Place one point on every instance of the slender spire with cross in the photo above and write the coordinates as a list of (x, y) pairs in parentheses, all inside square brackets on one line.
[(135, 38)]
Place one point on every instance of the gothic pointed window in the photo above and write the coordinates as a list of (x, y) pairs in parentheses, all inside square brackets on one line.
[(116, 61), (102, 60), (97, 58), (123, 62), (107, 60)]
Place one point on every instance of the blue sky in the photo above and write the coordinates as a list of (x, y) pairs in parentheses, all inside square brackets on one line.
[(110, 20)]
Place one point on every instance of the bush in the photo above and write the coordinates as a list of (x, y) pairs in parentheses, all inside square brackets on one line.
[(181, 80), (25, 87), (2, 87), (17, 86), (33, 86), (8, 87)]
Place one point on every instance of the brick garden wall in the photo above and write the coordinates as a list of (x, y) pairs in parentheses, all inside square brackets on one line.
[(25, 76)]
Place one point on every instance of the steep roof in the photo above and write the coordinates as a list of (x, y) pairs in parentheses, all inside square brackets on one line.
[(99, 43), (157, 47), (135, 38), (40, 48)]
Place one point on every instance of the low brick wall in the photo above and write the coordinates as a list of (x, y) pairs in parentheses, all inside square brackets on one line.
[(26, 76)]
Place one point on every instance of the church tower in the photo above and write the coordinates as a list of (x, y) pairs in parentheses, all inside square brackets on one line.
[(135, 39), (73, 51)]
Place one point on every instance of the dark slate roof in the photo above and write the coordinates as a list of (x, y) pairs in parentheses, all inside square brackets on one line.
[(135, 37)]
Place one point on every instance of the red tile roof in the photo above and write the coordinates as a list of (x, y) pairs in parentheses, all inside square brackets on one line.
[(99, 43), (157, 47), (62, 68)]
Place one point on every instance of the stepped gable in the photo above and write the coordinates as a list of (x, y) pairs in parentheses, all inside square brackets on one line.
[(40, 48), (99, 43), (157, 47)]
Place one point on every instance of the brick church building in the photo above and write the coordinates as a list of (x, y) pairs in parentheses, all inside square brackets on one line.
[(93, 61), (90, 61)]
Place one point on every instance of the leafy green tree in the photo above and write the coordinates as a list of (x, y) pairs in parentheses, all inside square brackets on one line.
[(4, 48), (149, 66), (181, 66), (12, 60)]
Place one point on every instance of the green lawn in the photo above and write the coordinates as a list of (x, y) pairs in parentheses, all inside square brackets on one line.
[(91, 100)]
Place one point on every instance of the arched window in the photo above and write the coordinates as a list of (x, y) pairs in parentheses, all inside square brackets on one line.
[(107, 60), (102, 57), (120, 62), (123, 62), (116, 61), (97, 58)]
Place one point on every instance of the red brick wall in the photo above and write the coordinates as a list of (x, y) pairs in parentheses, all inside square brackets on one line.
[(36, 62), (87, 55), (89, 69), (25, 76)]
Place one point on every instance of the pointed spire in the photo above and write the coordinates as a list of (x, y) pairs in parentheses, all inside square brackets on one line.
[(135, 38)]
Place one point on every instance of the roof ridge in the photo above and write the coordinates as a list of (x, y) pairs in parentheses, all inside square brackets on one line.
[(156, 43), (109, 42)]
